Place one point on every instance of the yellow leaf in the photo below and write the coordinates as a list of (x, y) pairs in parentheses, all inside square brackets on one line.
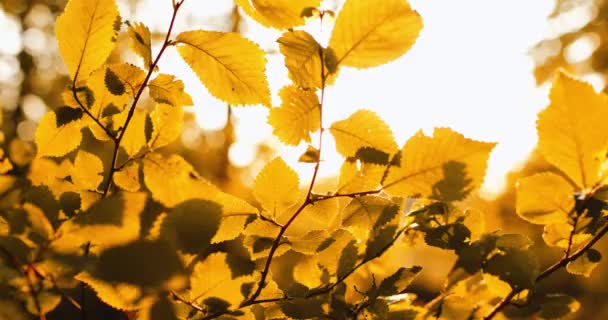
[(558, 235), (322, 215), (141, 42), (166, 89), (363, 129), (276, 187), (367, 34), (567, 130), (87, 171), (135, 137), (172, 180), (46, 172), (121, 78), (112, 221), (279, 14), (302, 58), (128, 178), (298, 115), (167, 124), (54, 138), (212, 277), (86, 33), (105, 103), (360, 177), (446, 166), (120, 296), (230, 66), (544, 198)]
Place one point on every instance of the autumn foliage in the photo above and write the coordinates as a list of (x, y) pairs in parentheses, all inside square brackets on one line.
[(137, 225)]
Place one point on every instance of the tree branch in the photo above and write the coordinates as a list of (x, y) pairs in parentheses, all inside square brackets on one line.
[(549, 271), (118, 140)]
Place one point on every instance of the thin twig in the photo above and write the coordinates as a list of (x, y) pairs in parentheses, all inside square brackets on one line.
[(309, 200), (118, 140)]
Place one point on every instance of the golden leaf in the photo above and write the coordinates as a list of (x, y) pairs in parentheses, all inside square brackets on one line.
[(446, 166), (368, 34), (212, 277), (141, 42), (167, 124), (302, 58), (87, 171), (55, 140), (128, 178), (135, 137), (166, 89), (568, 135), (363, 129), (298, 115), (279, 14), (544, 198), (276, 187), (230, 66), (86, 34)]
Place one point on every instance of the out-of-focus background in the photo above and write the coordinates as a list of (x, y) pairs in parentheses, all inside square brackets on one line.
[(482, 67)]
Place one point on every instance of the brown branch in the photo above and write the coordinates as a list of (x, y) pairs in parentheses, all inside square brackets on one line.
[(549, 271), (166, 44), (277, 241)]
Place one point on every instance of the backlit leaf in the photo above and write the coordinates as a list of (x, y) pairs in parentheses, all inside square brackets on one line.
[(119, 296), (111, 221), (446, 166), (360, 176), (212, 278), (567, 135), (56, 141), (126, 76), (276, 187), (363, 129), (544, 198), (135, 138), (128, 177), (86, 33), (166, 89), (230, 66), (367, 34), (167, 124), (298, 115), (192, 224), (279, 14), (302, 58), (558, 235), (141, 42), (585, 264), (161, 309), (87, 171)]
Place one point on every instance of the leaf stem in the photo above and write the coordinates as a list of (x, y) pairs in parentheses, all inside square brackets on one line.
[(118, 140)]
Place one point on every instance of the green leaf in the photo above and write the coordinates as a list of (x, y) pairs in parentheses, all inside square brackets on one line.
[(192, 224)]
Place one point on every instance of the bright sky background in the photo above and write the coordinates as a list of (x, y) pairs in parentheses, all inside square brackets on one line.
[(469, 70)]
